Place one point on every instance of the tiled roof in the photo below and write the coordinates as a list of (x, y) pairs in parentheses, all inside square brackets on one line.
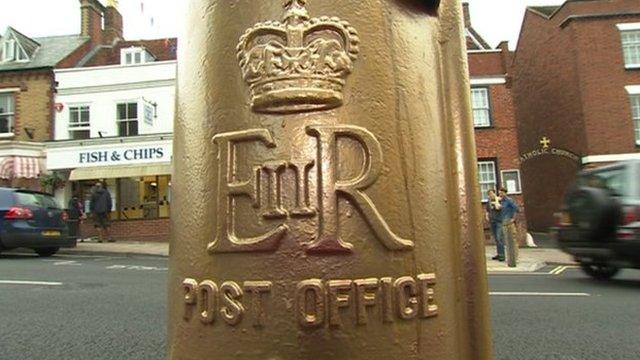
[(161, 49), (48, 51)]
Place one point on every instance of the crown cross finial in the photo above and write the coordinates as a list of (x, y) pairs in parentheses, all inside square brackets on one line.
[(299, 64), (296, 11)]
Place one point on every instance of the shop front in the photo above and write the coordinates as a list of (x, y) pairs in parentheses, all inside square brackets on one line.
[(21, 164), (137, 173)]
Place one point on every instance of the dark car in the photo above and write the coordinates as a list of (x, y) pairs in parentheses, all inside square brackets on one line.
[(30, 219), (600, 221)]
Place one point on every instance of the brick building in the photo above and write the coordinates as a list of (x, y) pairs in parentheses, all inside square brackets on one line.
[(577, 89), (494, 117), (27, 87)]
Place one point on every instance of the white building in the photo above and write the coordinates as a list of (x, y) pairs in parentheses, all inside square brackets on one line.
[(114, 124)]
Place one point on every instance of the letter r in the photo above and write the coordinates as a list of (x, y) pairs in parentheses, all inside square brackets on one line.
[(330, 189)]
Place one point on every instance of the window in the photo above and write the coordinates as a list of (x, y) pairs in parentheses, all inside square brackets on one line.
[(127, 119), (614, 180), (135, 56), (136, 198), (480, 103), (487, 177), (511, 181), (7, 114), (79, 124), (631, 48), (9, 50), (635, 114)]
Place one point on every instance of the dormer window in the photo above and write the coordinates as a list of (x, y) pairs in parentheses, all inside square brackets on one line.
[(135, 56), (12, 51)]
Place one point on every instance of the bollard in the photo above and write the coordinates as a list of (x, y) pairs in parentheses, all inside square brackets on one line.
[(325, 196)]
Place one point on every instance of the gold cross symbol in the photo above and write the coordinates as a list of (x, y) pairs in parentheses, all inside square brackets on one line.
[(545, 142)]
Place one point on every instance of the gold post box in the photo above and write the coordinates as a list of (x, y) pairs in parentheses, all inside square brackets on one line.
[(325, 197)]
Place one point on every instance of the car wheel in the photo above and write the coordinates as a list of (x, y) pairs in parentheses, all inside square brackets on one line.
[(46, 252), (600, 271)]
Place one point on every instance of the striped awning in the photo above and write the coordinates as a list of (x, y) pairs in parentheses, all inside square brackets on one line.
[(19, 167)]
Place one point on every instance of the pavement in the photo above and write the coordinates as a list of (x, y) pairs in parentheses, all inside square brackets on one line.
[(530, 259)]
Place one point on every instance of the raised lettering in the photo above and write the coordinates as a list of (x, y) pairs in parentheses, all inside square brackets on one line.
[(207, 301), (366, 290), (229, 188), (274, 190), (258, 289), (386, 285), (406, 295), (302, 208), (427, 295), (310, 303), (330, 189), (189, 287), (232, 310), (339, 297)]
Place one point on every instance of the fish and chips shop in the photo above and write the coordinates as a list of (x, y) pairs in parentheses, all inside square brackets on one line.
[(137, 173)]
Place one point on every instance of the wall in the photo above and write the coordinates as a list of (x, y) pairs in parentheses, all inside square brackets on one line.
[(134, 230), (603, 77), (547, 93), (32, 102), (103, 87)]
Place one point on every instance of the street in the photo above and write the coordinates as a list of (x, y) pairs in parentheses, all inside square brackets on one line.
[(108, 307)]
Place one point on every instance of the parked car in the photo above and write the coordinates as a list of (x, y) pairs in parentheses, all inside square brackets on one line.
[(600, 220), (34, 220)]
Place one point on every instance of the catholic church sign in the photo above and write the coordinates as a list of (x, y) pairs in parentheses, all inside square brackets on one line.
[(547, 149)]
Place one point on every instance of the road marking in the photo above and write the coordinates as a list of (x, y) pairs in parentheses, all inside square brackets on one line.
[(37, 283), (136, 267), (508, 293), (68, 262)]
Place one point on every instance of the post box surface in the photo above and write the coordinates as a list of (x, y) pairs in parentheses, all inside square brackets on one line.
[(325, 202)]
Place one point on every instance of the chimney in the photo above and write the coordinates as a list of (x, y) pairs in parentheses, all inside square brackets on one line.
[(91, 12), (112, 24), (467, 15)]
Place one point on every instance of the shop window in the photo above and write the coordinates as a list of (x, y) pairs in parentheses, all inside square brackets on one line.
[(487, 178), (511, 181), (79, 122), (481, 109), (635, 113), (144, 198), (7, 108), (85, 189), (127, 119)]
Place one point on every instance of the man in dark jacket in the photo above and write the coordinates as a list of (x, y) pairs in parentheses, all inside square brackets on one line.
[(100, 206)]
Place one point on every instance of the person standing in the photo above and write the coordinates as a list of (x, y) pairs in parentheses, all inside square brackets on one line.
[(100, 206), (494, 217), (76, 213), (510, 233)]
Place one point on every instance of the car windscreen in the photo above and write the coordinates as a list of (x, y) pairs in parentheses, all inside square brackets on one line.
[(613, 180), (35, 199)]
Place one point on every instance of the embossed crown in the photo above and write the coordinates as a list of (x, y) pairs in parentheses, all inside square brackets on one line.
[(297, 65)]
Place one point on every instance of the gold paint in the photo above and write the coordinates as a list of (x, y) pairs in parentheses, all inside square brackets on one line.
[(299, 64), (374, 178)]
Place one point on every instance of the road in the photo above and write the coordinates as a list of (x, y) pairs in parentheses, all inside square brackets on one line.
[(102, 307)]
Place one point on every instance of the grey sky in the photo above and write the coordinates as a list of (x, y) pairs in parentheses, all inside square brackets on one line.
[(495, 20)]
